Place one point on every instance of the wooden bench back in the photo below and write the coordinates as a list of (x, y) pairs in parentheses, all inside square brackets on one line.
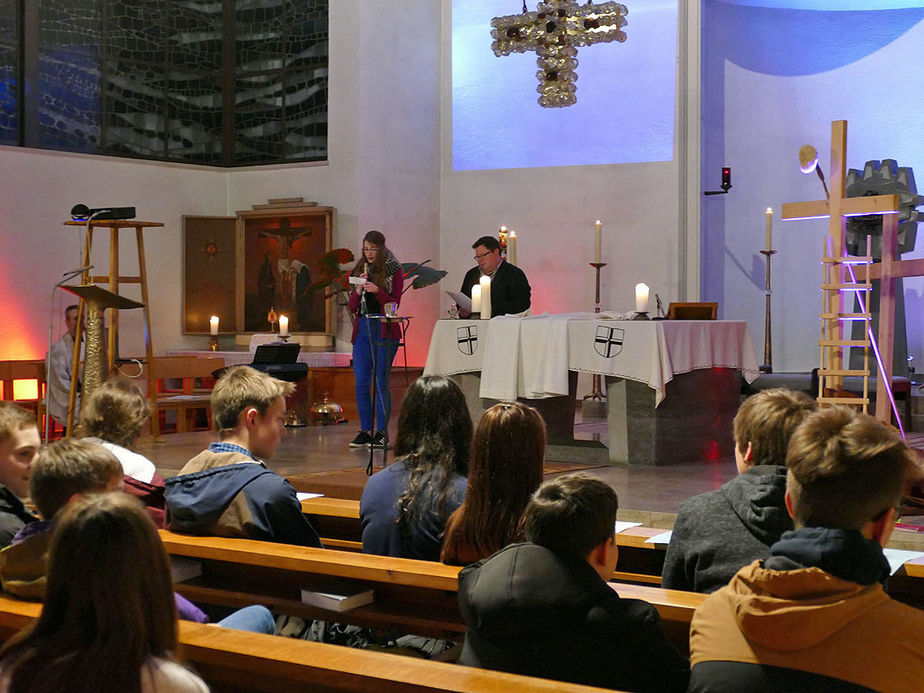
[(186, 368), (415, 594), (239, 661), (337, 521)]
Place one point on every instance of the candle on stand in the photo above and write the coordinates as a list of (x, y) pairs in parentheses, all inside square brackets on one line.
[(476, 298), (213, 325), (485, 298), (769, 228), (512, 247), (597, 251), (641, 297), (283, 326)]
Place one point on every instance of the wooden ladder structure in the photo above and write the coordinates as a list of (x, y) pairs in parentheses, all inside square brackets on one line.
[(839, 276), (113, 280)]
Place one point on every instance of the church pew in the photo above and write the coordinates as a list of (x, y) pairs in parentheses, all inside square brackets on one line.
[(419, 596), (231, 660), (337, 522)]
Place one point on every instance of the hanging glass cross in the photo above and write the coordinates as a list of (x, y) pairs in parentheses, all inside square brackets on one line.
[(555, 31)]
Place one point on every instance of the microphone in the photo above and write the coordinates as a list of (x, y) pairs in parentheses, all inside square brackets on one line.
[(73, 273), (366, 272), (77, 271)]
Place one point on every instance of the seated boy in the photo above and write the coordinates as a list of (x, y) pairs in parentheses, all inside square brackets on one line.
[(226, 490), (19, 445), (718, 532), (813, 616), (544, 608), (63, 470)]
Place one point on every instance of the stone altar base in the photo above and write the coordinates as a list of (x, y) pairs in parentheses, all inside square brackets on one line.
[(557, 412), (693, 424)]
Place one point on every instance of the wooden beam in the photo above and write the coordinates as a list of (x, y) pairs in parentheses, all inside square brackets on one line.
[(850, 207), (900, 268)]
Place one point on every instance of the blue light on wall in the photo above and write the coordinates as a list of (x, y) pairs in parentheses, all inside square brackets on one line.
[(625, 107)]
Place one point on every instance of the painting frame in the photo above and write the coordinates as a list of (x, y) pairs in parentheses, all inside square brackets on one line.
[(210, 259), (279, 248)]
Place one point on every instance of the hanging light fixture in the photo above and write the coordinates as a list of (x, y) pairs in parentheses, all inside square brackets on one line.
[(555, 31)]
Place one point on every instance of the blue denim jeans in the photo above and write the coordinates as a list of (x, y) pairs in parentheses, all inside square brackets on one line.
[(369, 334), (255, 619)]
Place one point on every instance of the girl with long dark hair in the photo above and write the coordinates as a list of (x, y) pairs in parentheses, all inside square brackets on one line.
[(374, 342), (505, 470), (404, 507), (109, 620)]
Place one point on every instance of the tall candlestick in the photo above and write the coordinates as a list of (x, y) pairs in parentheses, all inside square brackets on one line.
[(485, 298), (597, 250), (641, 298), (476, 298), (213, 325), (769, 228), (512, 247), (283, 326)]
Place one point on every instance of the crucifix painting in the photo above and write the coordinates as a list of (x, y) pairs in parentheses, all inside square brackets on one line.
[(279, 255)]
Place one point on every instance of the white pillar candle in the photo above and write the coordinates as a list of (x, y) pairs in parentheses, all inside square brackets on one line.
[(213, 325), (641, 298), (476, 298), (512, 247), (486, 298), (283, 326), (598, 227), (769, 228)]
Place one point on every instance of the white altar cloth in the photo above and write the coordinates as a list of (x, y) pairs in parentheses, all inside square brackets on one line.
[(531, 356)]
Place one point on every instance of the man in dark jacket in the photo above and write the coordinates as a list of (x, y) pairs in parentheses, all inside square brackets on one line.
[(718, 532), (510, 292), (544, 608), (813, 616), (226, 490)]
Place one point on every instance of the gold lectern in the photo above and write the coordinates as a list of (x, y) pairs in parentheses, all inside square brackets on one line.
[(94, 367)]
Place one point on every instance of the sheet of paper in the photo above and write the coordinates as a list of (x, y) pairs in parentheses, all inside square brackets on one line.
[(623, 526), (357, 281), (305, 496), (898, 557), (662, 538), (463, 301)]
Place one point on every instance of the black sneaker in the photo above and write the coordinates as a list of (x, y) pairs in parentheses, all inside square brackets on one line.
[(380, 440), (361, 440)]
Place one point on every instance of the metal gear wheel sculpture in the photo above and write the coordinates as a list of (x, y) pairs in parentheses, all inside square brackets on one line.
[(884, 177)]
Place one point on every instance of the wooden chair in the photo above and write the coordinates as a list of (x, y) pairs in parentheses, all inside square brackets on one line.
[(195, 376), (12, 372)]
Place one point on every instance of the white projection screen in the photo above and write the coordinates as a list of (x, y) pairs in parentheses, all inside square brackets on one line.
[(625, 95)]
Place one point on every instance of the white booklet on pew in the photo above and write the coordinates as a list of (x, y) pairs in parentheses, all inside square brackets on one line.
[(339, 596)]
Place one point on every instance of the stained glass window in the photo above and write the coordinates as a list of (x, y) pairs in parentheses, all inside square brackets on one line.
[(151, 78), (9, 72)]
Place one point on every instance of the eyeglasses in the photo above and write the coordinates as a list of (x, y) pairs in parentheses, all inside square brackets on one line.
[(478, 256), (370, 250)]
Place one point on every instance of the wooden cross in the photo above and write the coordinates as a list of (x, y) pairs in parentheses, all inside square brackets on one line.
[(837, 208)]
